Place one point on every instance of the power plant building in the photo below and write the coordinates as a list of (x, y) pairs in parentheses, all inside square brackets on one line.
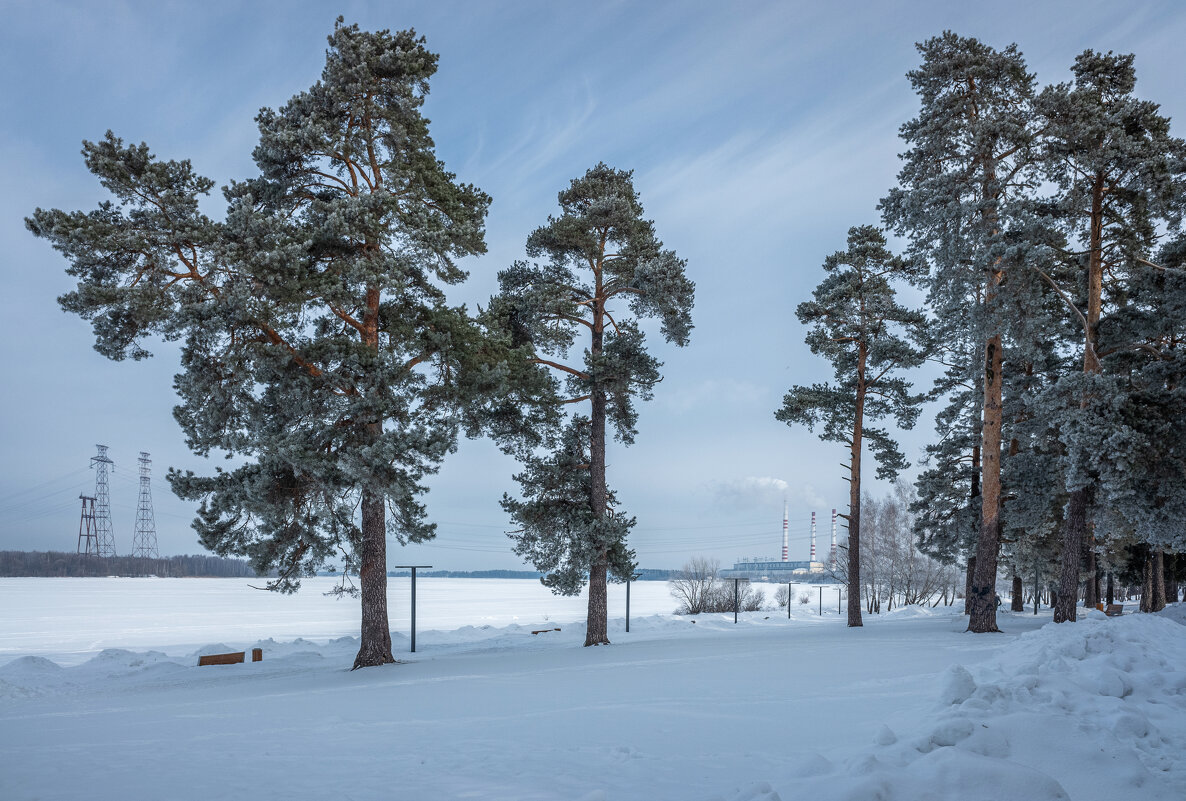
[(782, 571), (779, 572)]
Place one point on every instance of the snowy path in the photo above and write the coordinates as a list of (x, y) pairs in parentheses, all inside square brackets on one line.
[(668, 717)]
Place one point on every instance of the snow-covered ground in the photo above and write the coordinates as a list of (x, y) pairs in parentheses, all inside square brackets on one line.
[(909, 707)]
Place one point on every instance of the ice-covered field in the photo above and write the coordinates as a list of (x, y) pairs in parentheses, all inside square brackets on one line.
[(69, 620), (909, 707)]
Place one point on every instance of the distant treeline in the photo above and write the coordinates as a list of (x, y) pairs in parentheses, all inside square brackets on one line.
[(56, 564), (641, 575)]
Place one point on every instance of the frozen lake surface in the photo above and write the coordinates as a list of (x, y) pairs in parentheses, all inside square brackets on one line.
[(71, 619)]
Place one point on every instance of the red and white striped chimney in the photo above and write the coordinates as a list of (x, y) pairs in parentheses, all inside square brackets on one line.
[(812, 537), (785, 542)]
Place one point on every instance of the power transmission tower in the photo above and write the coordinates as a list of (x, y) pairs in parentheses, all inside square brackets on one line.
[(144, 535), (88, 541), (103, 534)]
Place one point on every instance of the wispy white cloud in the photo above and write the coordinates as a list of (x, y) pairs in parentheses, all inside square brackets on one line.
[(547, 135), (763, 493), (751, 492)]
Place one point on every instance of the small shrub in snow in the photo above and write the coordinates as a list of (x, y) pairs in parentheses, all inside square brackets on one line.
[(694, 586), (782, 596), (754, 599)]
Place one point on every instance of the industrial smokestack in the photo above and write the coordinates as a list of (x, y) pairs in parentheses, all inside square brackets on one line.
[(812, 537), (833, 553), (785, 542)]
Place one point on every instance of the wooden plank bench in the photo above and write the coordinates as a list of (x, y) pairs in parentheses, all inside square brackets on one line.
[(257, 655), (1111, 610)]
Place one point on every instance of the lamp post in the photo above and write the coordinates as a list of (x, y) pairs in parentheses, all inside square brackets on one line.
[(737, 596), (628, 603), (413, 568)]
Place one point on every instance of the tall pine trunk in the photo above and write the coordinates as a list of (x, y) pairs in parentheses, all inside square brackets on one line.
[(375, 642), (982, 609), (973, 502), (854, 496), (375, 646), (1171, 578), (1017, 601), (596, 619), (1147, 584), (1096, 577), (1158, 581), (1074, 529), (969, 571)]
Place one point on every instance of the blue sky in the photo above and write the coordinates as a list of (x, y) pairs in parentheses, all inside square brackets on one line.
[(758, 133)]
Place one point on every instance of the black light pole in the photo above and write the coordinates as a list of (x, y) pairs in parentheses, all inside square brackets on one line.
[(838, 599), (627, 605), (413, 568), (737, 596), (821, 600), (789, 600)]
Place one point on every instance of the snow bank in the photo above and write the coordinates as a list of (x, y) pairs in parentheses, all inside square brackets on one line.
[(33, 676), (1100, 704), (1175, 612)]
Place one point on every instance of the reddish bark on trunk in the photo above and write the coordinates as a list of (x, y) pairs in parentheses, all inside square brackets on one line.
[(596, 628), (982, 607), (375, 641), (854, 496)]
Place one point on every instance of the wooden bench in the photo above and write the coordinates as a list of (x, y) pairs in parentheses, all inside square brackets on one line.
[(257, 655), (1111, 610)]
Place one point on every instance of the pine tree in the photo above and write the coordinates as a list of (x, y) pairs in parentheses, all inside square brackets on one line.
[(946, 510), (559, 533), (1139, 403), (969, 160), (319, 349), (858, 325), (1115, 164), (599, 252)]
